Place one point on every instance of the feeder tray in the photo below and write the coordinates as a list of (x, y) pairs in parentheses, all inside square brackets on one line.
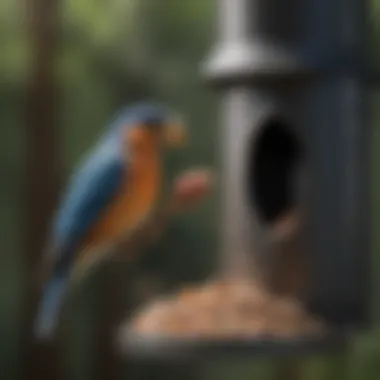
[(222, 318), (170, 348)]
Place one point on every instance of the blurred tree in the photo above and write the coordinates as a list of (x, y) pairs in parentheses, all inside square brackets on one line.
[(41, 174)]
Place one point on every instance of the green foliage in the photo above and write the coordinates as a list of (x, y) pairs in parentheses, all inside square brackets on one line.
[(109, 53)]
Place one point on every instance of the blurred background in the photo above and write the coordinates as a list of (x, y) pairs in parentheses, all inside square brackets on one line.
[(65, 68)]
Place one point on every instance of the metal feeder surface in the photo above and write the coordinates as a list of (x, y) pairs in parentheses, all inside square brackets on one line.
[(278, 65), (164, 348)]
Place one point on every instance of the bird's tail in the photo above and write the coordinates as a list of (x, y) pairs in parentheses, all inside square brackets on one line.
[(50, 306)]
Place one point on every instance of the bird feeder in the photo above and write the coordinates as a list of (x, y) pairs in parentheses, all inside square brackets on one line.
[(295, 162)]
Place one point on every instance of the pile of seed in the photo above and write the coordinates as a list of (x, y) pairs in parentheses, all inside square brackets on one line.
[(234, 308)]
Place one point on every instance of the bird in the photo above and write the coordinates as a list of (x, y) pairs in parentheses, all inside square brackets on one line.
[(115, 186)]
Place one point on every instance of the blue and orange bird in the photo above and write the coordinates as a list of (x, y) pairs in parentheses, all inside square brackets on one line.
[(114, 188)]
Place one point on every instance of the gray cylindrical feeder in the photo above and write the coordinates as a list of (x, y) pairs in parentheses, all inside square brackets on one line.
[(258, 64), (293, 106), (295, 147)]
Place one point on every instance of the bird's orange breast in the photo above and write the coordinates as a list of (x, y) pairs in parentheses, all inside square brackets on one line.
[(133, 201)]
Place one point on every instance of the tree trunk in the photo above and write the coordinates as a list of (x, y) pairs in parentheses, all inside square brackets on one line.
[(41, 181)]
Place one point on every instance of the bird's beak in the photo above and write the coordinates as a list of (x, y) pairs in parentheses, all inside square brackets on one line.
[(175, 135)]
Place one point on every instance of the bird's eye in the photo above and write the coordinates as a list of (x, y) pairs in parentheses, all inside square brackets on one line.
[(153, 122), (154, 125)]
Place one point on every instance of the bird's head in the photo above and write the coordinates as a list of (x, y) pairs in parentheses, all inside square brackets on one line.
[(149, 125)]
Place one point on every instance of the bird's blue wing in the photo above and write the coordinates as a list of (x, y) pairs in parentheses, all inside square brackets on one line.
[(91, 189)]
